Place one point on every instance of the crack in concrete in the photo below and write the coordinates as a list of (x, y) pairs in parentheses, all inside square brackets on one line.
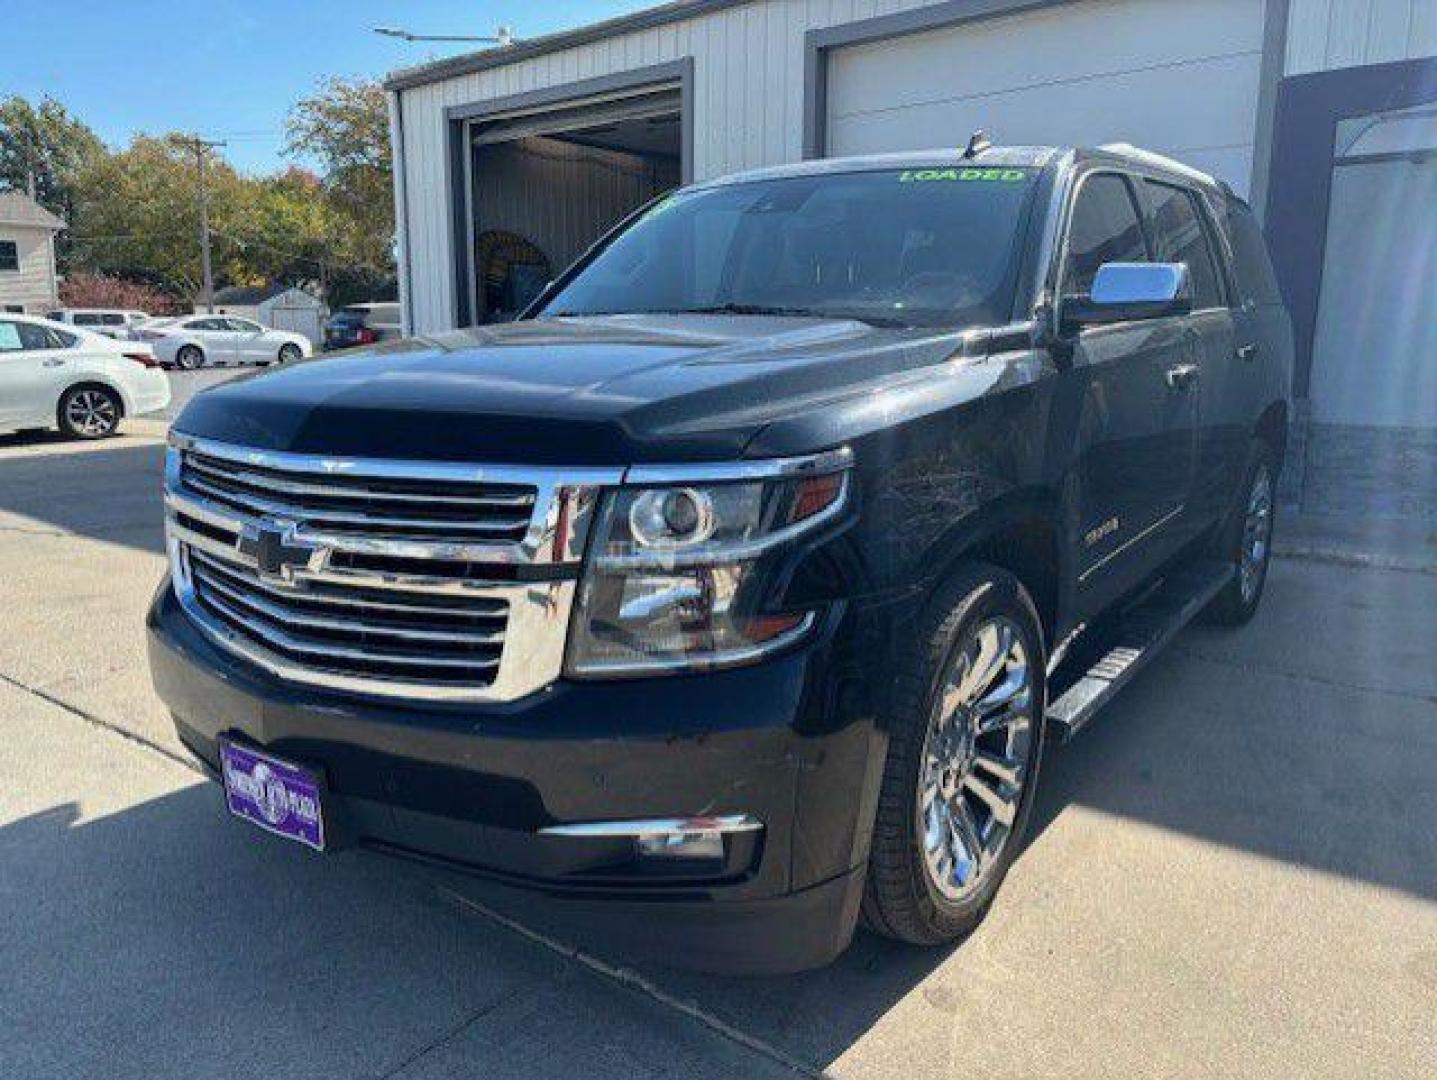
[(1301, 676), (632, 980), (104, 725), (448, 1036)]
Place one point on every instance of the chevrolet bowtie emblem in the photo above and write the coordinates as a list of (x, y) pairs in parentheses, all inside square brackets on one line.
[(274, 549)]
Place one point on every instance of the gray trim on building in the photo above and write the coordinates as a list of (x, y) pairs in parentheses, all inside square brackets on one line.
[(400, 165), (470, 63), (458, 119), (1300, 182), (818, 44), (1274, 59)]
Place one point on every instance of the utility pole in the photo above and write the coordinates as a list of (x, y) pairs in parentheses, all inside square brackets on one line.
[(201, 147)]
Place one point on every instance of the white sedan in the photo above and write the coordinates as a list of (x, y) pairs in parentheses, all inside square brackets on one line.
[(81, 382), (196, 340)]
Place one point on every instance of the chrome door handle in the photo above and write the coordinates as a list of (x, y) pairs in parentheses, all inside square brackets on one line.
[(1180, 376), (54, 361), (1246, 352)]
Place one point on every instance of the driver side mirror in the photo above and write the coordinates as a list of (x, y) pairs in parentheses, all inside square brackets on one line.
[(1127, 292)]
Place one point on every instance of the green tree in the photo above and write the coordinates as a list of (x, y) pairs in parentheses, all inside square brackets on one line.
[(284, 230), (345, 128), (45, 149), (140, 212)]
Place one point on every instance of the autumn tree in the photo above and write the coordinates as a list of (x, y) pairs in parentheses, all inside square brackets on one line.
[(45, 150), (345, 128)]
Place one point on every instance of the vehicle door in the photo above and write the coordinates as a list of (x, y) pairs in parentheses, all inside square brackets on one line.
[(1134, 428), (215, 337), (1184, 233), (252, 344), (32, 370)]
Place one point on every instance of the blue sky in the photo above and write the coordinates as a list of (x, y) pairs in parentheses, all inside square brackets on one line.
[(231, 69)]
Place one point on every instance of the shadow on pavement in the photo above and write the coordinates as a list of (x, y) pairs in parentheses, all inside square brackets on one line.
[(168, 941), (106, 491)]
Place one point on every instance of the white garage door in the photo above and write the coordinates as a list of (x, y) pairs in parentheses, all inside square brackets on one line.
[(1176, 76)]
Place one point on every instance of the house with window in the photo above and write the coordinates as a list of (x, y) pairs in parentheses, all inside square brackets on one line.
[(27, 255)]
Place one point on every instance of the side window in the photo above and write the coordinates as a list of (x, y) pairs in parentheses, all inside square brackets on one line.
[(244, 326), (27, 337), (1181, 238), (85, 318), (205, 324), (112, 318), (1253, 266), (38, 337), (9, 255), (1104, 227)]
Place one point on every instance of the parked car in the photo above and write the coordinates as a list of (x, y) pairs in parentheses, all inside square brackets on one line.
[(732, 590), (362, 324), (112, 322), (194, 341), (84, 383)]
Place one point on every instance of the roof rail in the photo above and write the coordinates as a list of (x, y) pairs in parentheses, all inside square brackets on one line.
[(1161, 160)]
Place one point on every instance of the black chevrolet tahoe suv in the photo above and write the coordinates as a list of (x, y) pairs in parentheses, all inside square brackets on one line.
[(725, 598)]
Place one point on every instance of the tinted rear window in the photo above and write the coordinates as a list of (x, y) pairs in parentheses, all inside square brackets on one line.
[(1255, 277)]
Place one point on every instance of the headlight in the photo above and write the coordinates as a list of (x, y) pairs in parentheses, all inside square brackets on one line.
[(681, 572)]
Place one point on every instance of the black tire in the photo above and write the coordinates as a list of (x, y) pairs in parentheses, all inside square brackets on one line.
[(190, 358), (1250, 523), (289, 353), (901, 897), (89, 412)]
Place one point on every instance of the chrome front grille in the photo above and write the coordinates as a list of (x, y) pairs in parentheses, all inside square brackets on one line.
[(413, 506), (433, 581)]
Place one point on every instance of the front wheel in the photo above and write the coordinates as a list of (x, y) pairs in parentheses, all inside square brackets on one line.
[(190, 357), (1246, 541), (89, 412), (289, 353), (965, 743)]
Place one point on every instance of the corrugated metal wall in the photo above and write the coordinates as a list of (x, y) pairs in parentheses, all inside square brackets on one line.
[(591, 189), (1327, 34), (748, 103)]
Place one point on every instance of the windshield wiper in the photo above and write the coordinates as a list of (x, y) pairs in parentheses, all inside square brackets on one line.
[(768, 309), (744, 309)]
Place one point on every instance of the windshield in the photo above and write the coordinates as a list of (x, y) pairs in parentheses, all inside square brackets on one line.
[(916, 247)]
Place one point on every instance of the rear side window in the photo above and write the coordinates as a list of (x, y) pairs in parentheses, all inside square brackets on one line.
[(1104, 228), (85, 318), (26, 337), (1252, 264), (1182, 238)]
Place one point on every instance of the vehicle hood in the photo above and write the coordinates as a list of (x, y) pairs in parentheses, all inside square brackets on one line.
[(598, 390)]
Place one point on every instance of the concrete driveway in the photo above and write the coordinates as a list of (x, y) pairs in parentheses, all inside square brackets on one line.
[(1232, 873)]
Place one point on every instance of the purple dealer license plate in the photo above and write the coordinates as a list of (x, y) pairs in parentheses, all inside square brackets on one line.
[(272, 794)]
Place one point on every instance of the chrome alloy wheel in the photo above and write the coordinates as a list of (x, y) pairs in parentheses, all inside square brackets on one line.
[(975, 758), (92, 412), (1256, 534)]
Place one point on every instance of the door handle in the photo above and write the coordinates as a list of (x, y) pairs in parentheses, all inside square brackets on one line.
[(1246, 352), (53, 361), (1181, 376)]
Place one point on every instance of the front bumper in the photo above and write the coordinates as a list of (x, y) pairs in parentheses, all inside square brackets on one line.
[(790, 742)]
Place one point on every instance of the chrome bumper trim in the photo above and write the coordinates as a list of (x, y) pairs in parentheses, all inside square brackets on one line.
[(731, 823)]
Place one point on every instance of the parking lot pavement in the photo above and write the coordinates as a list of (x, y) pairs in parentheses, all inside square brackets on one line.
[(1232, 873), (186, 384)]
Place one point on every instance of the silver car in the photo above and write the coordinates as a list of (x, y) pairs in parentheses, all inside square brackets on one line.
[(194, 341)]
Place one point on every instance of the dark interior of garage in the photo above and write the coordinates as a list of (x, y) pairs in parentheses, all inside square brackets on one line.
[(544, 189)]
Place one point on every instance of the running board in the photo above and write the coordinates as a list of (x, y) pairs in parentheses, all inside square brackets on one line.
[(1097, 669)]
